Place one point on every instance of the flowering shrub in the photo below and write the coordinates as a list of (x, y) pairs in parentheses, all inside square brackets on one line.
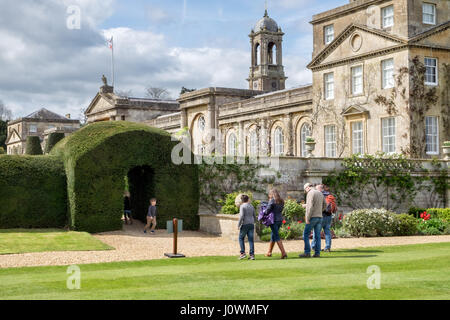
[(371, 223), (288, 231), (425, 216), (433, 226)]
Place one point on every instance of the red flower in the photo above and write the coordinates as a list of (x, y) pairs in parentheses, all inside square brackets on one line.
[(421, 215), (289, 228), (300, 221), (284, 221)]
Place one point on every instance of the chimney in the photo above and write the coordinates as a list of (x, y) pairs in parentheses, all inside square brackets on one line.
[(68, 116)]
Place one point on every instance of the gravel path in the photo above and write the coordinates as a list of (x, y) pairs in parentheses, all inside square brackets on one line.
[(131, 244)]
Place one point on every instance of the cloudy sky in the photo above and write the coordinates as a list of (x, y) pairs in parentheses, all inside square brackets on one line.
[(47, 61)]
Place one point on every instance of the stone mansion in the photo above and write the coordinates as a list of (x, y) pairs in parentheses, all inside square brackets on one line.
[(357, 103)]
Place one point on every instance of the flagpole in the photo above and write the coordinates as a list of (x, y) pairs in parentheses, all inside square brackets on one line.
[(112, 60)]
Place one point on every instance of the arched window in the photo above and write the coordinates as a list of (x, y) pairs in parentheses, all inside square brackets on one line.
[(305, 132), (253, 143), (279, 141), (257, 55), (231, 146), (201, 123), (272, 53)]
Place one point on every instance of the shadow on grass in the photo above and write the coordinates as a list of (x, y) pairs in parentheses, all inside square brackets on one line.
[(358, 251), (362, 256), (32, 230)]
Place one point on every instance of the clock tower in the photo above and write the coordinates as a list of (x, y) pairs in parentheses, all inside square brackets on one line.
[(266, 71)]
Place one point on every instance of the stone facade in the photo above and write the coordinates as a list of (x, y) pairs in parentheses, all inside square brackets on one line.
[(358, 50), (37, 124)]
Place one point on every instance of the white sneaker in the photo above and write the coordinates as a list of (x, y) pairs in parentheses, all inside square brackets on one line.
[(242, 256)]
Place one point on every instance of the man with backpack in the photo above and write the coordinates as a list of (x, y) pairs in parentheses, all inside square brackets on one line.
[(327, 216)]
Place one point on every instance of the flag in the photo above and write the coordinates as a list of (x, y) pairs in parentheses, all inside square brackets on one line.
[(111, 43)]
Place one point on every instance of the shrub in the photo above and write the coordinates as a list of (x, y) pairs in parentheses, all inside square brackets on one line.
[(229, 203), (33, 146), (415, 211), (441, 213), (342, 233), (2, 151), (371, 223), (53, 139), (99, 156), (293, 211), (33, 192), (407, 225), (433, 226)]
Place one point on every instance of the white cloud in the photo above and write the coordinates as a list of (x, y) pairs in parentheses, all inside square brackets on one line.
[(44, 64)]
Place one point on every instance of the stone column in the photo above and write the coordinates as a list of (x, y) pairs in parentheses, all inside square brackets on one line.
[(184, 120), (289, 135), (241, 139), (264, 138)]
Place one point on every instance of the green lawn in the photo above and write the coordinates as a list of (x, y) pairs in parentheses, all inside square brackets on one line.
[(407, 272), (40, 240)]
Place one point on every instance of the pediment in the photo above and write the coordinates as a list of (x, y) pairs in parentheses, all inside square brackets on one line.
[(99, 103), (13, 137), (355, 41), (354, 110), (437, 36)]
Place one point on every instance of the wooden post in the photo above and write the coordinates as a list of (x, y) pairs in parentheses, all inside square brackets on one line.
[(175, 235), (175, 253)]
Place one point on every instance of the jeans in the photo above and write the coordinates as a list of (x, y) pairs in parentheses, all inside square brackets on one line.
[(275, 237), (247, 230), (326, 225), (316, 225)]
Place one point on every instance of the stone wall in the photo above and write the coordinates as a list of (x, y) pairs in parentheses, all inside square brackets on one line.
[(294, 172), (223, 225)]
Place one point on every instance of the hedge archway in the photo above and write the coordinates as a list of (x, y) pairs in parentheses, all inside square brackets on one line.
[(99, 156)]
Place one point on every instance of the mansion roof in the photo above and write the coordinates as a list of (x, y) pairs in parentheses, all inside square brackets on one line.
[(44, 115)]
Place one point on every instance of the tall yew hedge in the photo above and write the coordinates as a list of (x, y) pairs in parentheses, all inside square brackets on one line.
[(32, 192), (100, 155)]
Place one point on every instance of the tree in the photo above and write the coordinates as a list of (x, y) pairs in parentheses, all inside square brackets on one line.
[(157, 93), (33, 146), (53, 139), (5, 115)]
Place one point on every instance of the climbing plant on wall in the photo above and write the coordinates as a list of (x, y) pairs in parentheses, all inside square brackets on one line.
[(416, 100), (219, 179), (388, 181)]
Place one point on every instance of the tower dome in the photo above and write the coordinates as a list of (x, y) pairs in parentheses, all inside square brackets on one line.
[(266, 23)]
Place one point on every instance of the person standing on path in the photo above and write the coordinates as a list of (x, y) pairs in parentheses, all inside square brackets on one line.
[(246, 226), (276, 206), (315, 206), (127, 208), (327, 216), (151, 216)]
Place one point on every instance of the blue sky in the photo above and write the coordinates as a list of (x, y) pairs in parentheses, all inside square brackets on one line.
[(163, 43)]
